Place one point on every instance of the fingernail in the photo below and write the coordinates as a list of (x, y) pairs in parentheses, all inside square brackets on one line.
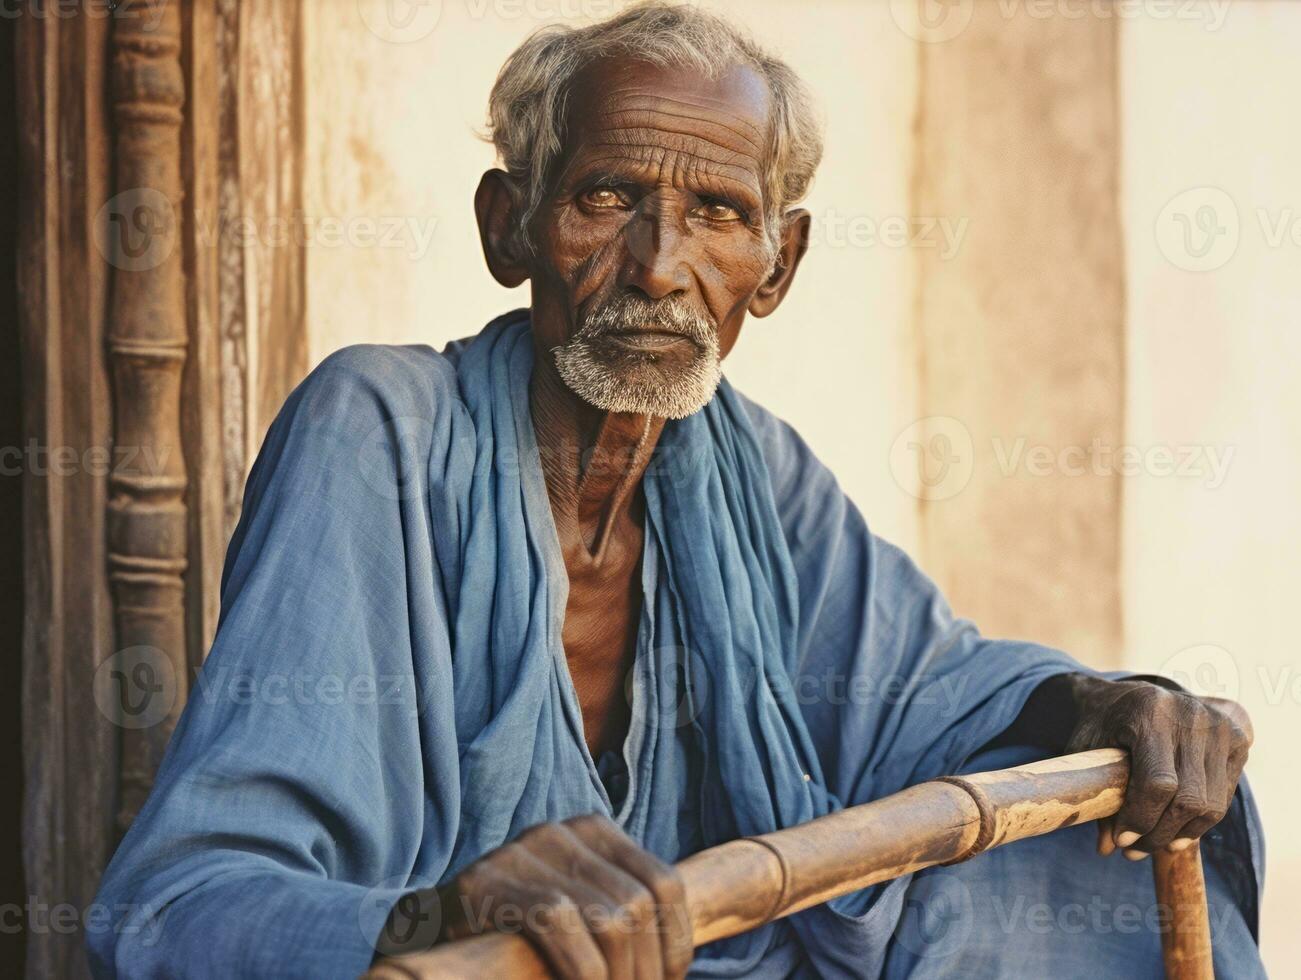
[(1179, 843), (1135, 855), (1125, 838)]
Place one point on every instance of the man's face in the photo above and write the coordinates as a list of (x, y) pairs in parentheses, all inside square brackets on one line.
[(651, 245)]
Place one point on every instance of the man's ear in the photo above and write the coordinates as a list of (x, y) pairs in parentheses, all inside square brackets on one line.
[(796, 226), (494, 207)]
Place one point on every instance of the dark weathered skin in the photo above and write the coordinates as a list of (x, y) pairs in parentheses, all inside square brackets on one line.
[(685, 216)]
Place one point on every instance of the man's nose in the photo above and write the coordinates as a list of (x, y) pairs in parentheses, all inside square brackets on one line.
[(656, 243)]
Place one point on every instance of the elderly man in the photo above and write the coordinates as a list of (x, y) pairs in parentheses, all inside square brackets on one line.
[(585, 610)]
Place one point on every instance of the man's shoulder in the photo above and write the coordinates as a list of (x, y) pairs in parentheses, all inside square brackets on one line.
[(785, 452), (386, 365), (402, 379)]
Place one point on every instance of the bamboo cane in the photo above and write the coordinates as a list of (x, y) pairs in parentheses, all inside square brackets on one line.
[(745, 883)]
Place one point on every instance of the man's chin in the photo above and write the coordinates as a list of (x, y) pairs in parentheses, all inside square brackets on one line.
[(661, 387)]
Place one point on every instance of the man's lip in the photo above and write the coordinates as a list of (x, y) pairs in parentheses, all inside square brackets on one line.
[(647, 339)]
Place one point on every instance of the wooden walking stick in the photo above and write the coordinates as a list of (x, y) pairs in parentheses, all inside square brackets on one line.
[(745, 883)]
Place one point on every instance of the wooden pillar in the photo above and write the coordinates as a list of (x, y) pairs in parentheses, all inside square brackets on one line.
[(161, 325), (147, 341)]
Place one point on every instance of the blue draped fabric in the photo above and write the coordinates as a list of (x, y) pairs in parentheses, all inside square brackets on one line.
[(387, 697)]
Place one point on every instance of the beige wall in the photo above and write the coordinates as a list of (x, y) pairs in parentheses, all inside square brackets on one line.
[(1022, 329), (1212, 569)]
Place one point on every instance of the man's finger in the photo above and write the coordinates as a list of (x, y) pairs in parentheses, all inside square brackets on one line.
[(555, 926), (1107, 836), (660, 879), (630, 942), (1220, 785), (1190, 801), (522, 893), (1153, 782)]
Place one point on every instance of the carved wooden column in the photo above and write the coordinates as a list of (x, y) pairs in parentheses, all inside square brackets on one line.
[(147, 339)]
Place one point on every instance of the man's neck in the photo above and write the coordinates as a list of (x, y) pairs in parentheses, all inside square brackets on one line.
[(593, 460)]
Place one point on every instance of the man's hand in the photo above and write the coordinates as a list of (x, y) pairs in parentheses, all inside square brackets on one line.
[(593, 903), (1186, 754)]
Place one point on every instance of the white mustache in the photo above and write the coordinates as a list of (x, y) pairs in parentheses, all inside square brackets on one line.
[(624, 313)]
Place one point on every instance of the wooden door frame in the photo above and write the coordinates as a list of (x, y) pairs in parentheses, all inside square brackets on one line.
[(135, 379)]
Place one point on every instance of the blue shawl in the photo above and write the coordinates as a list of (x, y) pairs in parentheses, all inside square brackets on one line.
[(387, 697)]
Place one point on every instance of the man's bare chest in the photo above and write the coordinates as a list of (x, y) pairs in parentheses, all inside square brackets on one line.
[(600, 635)]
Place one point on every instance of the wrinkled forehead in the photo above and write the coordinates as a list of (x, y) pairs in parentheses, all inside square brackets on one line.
[(620, 110)]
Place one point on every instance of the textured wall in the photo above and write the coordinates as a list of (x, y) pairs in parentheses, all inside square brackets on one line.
[(1021, 330), (1213, 208)]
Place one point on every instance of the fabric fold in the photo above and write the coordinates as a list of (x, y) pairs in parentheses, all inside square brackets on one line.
[(397, 540)]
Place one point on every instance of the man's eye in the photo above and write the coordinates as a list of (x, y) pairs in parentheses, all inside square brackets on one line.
[(718, 211), (603, 197)]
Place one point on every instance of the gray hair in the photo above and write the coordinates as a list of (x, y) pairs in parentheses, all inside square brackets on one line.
[(526, 111)]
